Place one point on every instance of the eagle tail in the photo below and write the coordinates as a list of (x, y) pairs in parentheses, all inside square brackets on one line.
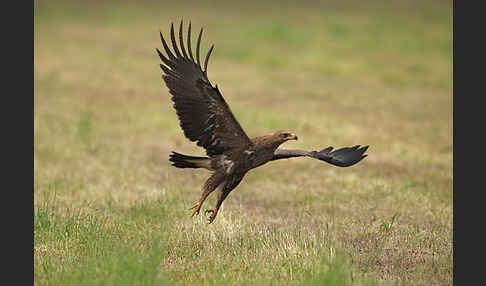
[(184, 161)]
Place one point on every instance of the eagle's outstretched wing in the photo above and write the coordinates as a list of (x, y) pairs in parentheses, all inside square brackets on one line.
[(203, 113), (343, 157)]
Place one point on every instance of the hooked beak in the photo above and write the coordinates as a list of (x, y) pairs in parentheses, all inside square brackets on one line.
[(292, 137)]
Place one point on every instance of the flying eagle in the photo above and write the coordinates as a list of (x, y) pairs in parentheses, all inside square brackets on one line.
[(206, 118)]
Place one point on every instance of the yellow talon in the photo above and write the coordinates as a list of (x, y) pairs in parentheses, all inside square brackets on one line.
[(212, 216), (196, 207)]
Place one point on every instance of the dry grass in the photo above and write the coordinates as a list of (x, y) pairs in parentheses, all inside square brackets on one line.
[(108, 203)]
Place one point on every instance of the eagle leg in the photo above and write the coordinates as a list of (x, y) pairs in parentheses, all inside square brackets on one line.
[(226, 189), (209, 186)]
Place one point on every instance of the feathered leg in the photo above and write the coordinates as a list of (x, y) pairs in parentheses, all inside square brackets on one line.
[(209, 186), (228, 186)]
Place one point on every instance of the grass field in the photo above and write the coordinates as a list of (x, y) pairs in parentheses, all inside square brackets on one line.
[(110, 210)]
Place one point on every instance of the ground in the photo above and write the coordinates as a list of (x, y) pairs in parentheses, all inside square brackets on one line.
[(110, 210)]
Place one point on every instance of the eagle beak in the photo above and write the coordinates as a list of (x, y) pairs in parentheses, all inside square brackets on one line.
[(292, 137)]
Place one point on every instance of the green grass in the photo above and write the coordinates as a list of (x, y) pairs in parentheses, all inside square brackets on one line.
[(95, 250), (110, 210)]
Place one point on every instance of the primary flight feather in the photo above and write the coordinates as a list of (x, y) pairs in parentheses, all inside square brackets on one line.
[(206, 119)]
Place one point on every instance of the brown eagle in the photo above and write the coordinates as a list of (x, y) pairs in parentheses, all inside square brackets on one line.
[(206, 118)]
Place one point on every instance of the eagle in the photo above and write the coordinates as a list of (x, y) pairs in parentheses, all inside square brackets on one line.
[(206, 118)]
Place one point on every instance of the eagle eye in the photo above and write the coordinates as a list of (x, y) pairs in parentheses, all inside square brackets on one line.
[(286, 134)]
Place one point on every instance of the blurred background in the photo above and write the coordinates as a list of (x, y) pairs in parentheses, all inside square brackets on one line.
[(336, 73), (383, 61)]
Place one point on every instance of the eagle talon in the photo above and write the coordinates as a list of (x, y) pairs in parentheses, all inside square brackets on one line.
[(212, 216), (196, 207)]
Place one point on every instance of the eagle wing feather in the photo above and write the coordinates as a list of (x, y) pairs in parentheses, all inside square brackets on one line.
[(343, 157), (204, 115)]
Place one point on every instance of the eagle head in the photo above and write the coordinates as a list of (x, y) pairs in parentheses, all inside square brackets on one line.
[(284, 136)]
